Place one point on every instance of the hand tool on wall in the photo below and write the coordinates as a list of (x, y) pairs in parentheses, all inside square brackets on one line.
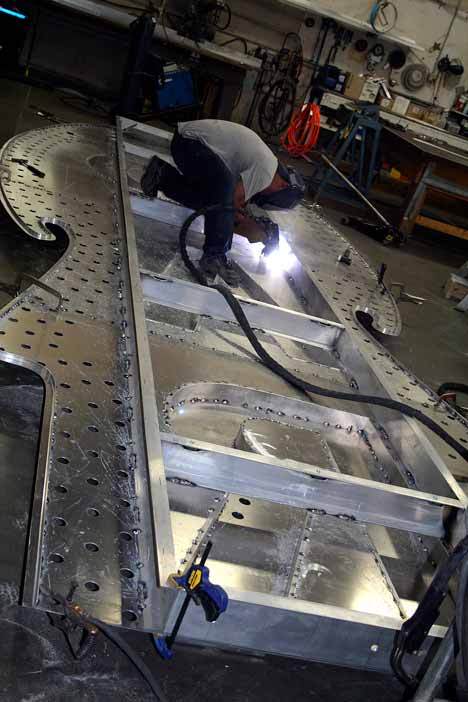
[(383, 16), (375, 57), (327, 25), (343, 38)]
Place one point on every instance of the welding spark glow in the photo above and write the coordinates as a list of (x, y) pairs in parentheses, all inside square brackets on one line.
[(281, 259)]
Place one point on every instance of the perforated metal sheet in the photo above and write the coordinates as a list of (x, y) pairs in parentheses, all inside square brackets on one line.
[(94, 530), (315, 242)]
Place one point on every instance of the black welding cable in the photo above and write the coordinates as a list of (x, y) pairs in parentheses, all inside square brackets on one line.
[(462, 630), (237, 39), (118, 641), (415, 629), (134, 658), (283, 372)]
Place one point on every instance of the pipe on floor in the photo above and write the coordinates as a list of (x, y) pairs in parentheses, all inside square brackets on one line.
[(438, 670)]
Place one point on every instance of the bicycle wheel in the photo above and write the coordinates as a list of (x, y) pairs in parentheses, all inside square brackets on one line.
[(276, 107)]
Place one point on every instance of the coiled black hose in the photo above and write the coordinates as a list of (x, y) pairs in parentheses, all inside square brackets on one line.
[(277, 368)]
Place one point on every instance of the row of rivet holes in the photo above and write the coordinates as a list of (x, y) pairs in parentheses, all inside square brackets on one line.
[(124, 338), (202, 538), (268, 411), (169, 408), (132, 459)]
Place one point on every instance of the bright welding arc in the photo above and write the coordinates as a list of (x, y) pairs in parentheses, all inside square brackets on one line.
[(289, 377)]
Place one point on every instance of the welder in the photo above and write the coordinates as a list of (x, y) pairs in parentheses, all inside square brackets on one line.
[(220, 162)]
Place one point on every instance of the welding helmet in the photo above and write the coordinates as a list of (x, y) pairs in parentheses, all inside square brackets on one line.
[(287, 198)]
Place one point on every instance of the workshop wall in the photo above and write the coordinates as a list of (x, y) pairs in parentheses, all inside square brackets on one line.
[(424, 21), (265, 23)]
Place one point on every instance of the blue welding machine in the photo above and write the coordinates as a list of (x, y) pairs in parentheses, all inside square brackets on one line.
[(178, 89)]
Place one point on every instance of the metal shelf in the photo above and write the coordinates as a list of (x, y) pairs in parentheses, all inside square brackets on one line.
[(123, 19), (347, 21)]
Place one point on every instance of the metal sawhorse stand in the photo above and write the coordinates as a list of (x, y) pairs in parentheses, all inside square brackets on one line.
[(357, 142)]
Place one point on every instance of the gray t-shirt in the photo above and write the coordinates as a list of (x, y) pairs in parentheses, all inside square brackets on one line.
[(243, 152)]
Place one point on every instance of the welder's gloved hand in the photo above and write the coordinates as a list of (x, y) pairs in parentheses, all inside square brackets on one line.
[(151, 178), (214, 265)]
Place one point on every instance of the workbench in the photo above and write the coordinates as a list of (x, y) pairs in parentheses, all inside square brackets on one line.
[(434, 161), (333, 101), (436, 166)]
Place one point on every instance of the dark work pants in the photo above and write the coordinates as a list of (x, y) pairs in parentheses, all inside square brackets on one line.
[(203, 180)]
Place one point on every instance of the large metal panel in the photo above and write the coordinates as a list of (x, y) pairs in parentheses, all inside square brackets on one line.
[(325, 516), (91, 523), (359, 483)]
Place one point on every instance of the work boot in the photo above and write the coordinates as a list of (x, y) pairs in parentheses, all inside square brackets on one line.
[(152, 177), (220, 265)]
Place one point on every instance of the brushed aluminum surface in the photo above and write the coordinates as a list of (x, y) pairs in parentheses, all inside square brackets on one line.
[(324, 515), (91, 525)]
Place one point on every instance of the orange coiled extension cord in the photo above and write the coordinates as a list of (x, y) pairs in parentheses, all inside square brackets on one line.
[(303, 132)]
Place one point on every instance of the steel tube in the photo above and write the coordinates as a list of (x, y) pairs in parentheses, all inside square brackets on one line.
[(438, 669), (356, 190), (303, 486), (191, 297)]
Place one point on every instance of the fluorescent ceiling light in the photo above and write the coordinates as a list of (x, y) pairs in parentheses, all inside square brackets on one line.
[(13, 13)]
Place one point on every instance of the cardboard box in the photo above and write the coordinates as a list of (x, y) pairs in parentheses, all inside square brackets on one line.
[(415, 111), (369, 91), (434, 116), (361, 88), (456, 288), (400, 105), (354, 86), (385, 103)]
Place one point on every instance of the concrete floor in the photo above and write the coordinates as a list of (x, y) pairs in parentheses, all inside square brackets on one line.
[(434, 341), (36, 664)]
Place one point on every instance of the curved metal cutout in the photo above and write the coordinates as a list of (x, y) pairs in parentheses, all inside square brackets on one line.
[(88, 348), (54, 227), (30, 591)]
